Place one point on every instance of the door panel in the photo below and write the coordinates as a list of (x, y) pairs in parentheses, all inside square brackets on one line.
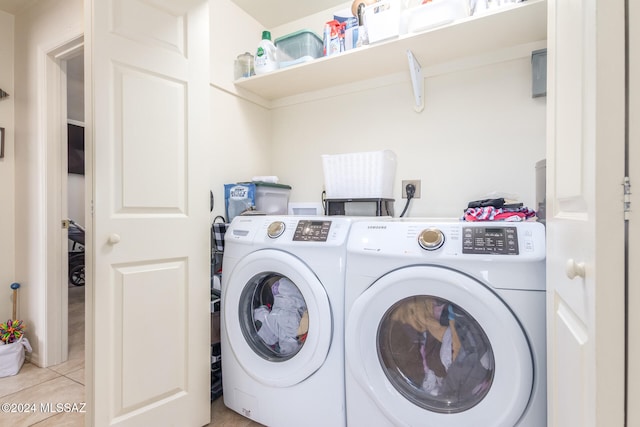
[(572, 337), (569, 59), (148, 125), (161, 186), (143, 354), (585, 221), (159, 28)]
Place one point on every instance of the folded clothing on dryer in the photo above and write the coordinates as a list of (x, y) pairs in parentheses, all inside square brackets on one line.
[(490, 213), (497, 209), (496, 203)]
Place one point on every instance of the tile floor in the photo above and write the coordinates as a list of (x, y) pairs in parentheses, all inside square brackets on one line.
[(65, 383)]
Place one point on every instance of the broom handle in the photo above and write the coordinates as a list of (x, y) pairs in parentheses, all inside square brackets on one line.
[(15, 287)]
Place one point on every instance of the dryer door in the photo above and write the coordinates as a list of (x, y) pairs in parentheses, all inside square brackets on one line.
[(432, 346), (278, 318)]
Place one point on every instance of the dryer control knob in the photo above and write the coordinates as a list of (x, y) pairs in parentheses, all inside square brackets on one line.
[(431, 239), (275, 229)]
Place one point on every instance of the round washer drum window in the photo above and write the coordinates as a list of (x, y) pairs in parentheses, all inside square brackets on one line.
[(435, 354), (273, 316)]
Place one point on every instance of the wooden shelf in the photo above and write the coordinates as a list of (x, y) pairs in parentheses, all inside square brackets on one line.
[(523, 23)]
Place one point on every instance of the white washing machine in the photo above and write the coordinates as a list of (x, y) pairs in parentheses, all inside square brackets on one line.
[(282, 324), (445, 324)]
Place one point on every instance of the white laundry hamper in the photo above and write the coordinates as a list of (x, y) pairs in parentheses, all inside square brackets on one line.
[(363, 175), (12, 356)]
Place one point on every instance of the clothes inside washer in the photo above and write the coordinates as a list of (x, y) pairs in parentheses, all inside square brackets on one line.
[(427, 314), (280, 322), (435, 353)]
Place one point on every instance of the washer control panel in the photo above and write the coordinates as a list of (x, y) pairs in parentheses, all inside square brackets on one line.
[(490, 240), (312, 231)]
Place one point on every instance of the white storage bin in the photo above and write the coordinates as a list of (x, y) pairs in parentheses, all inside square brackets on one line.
[(364, 175), (431, 15), (382, 20)]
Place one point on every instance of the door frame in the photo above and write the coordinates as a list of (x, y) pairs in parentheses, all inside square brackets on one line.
[(633, 230), (55, 197)]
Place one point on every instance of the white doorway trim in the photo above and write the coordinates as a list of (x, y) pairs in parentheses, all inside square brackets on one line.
[(55, 302)]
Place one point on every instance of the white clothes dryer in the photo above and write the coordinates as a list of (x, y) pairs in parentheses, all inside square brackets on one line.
[(445, 324), (282, 323)]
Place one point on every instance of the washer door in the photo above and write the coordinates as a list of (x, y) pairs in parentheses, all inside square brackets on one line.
[(277, 317), (432, 346)]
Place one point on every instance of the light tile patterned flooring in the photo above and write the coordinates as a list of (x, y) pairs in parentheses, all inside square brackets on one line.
[(64, 383)]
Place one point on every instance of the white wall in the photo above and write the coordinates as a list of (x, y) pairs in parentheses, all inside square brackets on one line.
[(241, 130), (480, 133), (7, 203), (39, 29)]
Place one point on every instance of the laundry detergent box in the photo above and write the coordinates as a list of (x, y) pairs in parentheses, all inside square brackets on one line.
[(238, 198), (264, 197)]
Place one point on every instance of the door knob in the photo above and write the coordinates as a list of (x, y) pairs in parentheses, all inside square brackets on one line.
[(114, 238), (574, 269)]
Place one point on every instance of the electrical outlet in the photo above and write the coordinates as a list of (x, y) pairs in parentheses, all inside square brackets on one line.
[(416, 183)]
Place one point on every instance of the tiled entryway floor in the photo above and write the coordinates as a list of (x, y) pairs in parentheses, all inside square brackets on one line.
[(64, 383)]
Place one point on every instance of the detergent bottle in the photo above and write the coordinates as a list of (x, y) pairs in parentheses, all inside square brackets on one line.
[(331, 38), (266, 57)]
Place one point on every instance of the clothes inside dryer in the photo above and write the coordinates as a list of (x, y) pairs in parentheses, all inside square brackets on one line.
[(435, 354), (274, 317)]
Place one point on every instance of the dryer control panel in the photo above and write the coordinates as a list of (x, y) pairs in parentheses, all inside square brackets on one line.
[(490, 240), (312, 231), (450, 240)]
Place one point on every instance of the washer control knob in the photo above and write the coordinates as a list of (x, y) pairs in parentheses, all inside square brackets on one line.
[(275, 229), (431, 239)]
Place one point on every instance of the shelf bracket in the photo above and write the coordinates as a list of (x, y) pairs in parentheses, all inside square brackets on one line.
[(417, 81)]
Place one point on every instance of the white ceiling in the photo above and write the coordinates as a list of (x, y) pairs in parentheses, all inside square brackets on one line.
[(272, 13), (269, 13), (13, 6)]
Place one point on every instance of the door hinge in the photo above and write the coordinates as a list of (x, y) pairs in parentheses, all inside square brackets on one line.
[(627, 198), (65, 224)]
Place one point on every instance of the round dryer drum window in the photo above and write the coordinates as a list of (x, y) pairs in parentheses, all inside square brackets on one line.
[(435, 354), (273, 316)]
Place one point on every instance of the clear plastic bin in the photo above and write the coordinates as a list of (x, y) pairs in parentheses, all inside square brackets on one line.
[(272, 199), (301, 46), (266, 197)]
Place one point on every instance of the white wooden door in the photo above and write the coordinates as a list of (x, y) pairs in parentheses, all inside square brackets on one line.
[(148, 340), (633, 397), (585, 221)]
